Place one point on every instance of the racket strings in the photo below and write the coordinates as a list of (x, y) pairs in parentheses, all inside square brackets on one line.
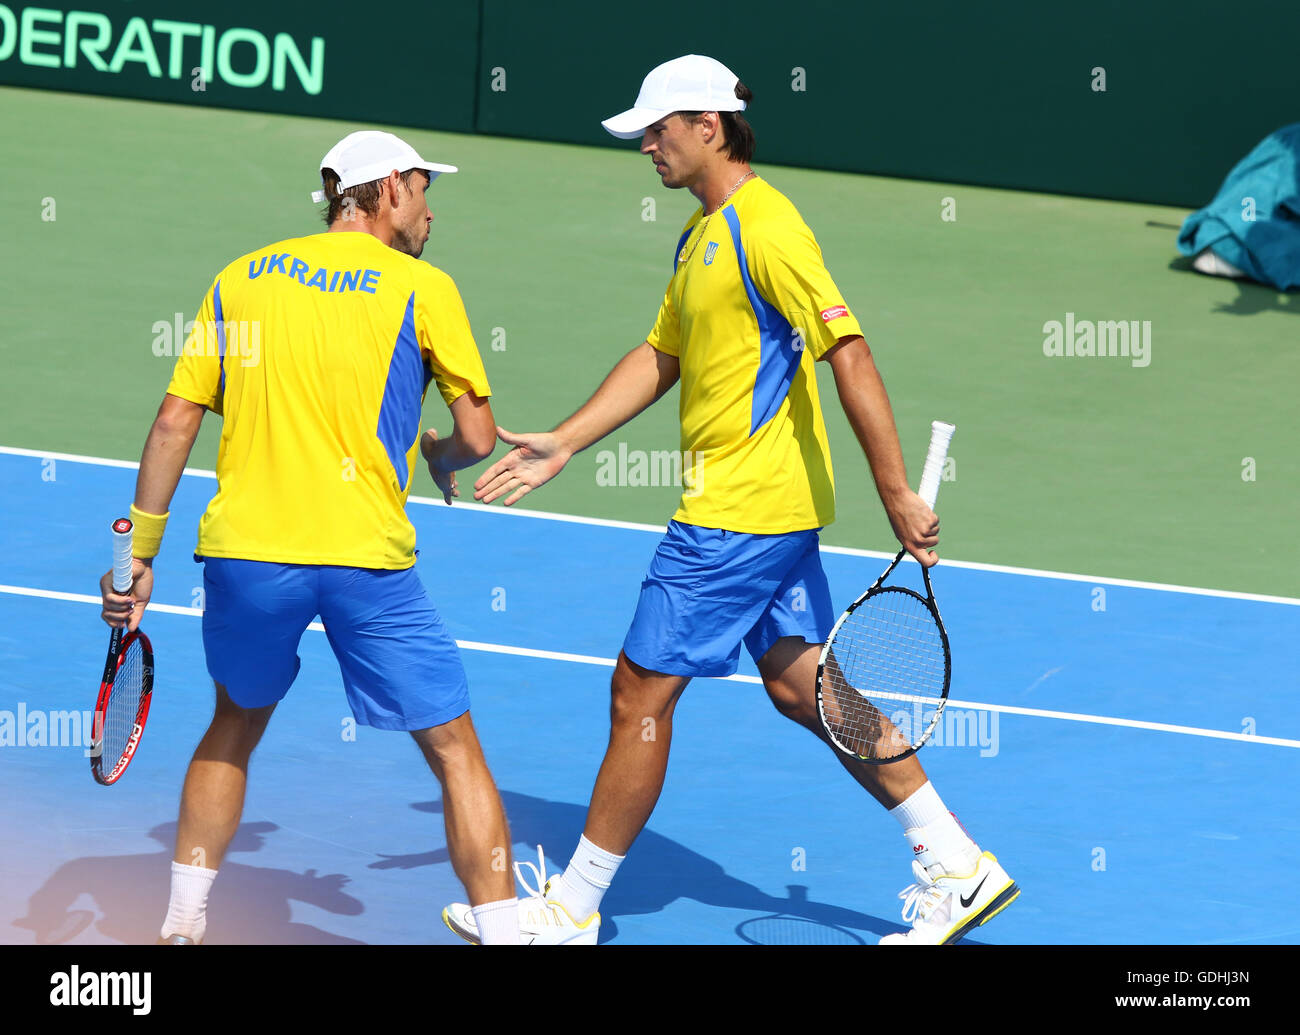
[(123, 705), (886, 673)]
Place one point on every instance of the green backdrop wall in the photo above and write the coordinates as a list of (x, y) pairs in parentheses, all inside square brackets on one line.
[(415, 66), (1145, 101)]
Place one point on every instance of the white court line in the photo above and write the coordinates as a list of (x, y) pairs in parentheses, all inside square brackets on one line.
[(588, 659), (543, 515)]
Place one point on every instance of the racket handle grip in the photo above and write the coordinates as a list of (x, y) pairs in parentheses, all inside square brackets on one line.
[(940, 436), (122, 554)]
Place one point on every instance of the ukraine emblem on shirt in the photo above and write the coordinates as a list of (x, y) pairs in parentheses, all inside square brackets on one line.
[(710, 252)]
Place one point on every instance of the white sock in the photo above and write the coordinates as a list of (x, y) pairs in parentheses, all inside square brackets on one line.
[(498, 922), (938, 841), (582, 886), (187, 911)]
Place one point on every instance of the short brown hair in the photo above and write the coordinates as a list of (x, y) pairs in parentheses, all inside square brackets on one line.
[(739, 134), (365, 196)]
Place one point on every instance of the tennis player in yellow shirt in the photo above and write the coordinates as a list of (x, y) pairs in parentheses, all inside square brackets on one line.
[(317, 352), (749, 309)]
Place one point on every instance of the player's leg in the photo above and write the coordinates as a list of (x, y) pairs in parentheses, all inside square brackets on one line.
[(704, 588), (957, 886), (565, 910), (628, 785), (212, 799), (402, 671), (789, 672), (253, 663), (631, 777), (786, 642), (478, 838)]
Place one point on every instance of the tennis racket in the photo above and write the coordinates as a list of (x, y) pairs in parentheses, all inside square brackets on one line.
[(882, 679), (125, 691)]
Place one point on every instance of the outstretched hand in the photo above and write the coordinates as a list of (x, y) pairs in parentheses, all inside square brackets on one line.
[(916, 526), (445, 480), (534, 461)]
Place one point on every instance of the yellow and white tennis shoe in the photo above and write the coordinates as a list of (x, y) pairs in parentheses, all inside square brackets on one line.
[(942, 910), (541, 921)]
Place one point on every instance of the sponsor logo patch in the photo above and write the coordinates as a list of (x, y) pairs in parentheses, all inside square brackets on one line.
[(835, 312)]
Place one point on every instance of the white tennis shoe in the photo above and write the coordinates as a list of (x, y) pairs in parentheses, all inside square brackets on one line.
[(942, 910), (541, 921)]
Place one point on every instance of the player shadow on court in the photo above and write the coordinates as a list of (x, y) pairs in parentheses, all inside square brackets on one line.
[(249, 905), (1251, 297), (659, 870)]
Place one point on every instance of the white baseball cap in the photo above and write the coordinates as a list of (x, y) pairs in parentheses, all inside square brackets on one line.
[(372, 155), (690, 83)]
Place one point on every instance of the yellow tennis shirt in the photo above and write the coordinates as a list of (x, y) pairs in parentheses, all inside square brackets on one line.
[(748, 311), (317, 352)]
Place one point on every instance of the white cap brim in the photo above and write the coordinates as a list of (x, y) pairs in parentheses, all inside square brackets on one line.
[(632, 123), (689, 83), (365, 175)]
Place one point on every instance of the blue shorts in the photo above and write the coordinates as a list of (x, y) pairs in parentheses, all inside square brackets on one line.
[(401, 668), (708, 589)]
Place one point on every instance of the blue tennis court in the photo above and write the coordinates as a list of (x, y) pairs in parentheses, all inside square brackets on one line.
[(1116, 832)]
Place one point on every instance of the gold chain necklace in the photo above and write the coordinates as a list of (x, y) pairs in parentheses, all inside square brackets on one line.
[(704, 226)]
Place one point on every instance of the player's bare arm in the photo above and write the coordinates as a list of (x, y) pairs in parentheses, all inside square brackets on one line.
[(472, 439), (637, 381), (166, 451), (866, 404)]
